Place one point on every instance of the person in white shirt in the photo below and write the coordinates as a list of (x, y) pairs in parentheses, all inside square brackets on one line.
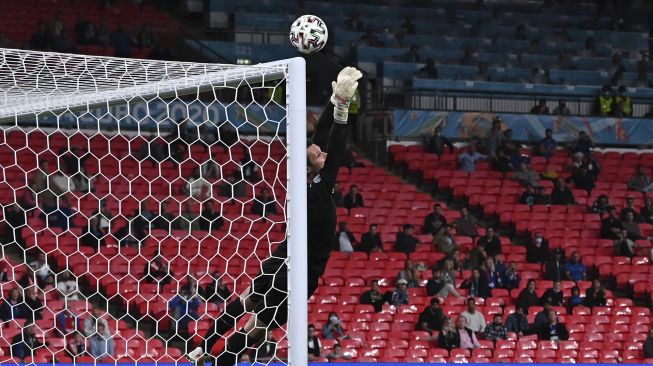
[(40, 267), (197, 186), (345, 239), (469, 158), (67, 285), (475, 320)]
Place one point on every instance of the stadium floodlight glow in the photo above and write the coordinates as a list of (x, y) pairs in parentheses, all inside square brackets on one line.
[(146, 128)]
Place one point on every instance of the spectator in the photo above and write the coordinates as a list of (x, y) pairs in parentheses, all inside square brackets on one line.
[(640, 181), (494, 273), (183, 308), (24, 344), (476, 257), (41, 39), (469, 158), (14, 307), (611, 226), (398, 296), (606, 102), (197, 187), (354, 23), (145, 37), (511, 277), (345, 239), (477, 285), (517, 322), (449, 337), (468, 338), (188, 221), (490, 242), (371, 241), (648, 345), (541, 198), (481, 74), (630, 208), (438, 287), (469, 57), (595, 295), (314, 344), (15, 218), (49, 195), (553, 330), (554, 295), (510, 149), (409, 25), (541, 318), (410, 274), (432, 318), (93, 236), (646, 211), (337, 354), (537, 249), (66, 323), (475, 321), (42, 270), (338, 196), (466, 224), (217, 291), (163, 219), (101, 344), (495, 138), (528, 297), (574, 300), (546, 147), (122, 42), (105, 217), (540, 107), (67, 286), (496, 330), (623, 103), (438, 143), (444, 241), (353, 198), (554, 270), (561, 195), (264, 205), (333, 328), (538, 74), (526, 175), (575, 269), (33, 303), (159, 271), (583, 144), (96, 318), (373, 297), (601, 205), (412, 55), (528, 196), (562, 109), (520, 32), (429, 71), (249, 169), (210, 220), (266, 348), (406, 242), (631, 227), (624, 246), (76, 345)]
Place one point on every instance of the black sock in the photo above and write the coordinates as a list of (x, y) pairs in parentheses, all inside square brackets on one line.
[(232, 314)]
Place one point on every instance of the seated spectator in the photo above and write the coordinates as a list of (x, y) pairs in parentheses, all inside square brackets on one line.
[(583, 144), (528, 297), (476, 257), (466, 224), (574, 300), (496, 330), (467, 336), (511, 277), (528, 196), (210, 220), (542, 317), (630, 208), (554, 295), (647, 210), (197, 187), (398, 296), (188, 221), (95, 319), (337, 195), (406, 242), (76, 345), (494, 138), (434, 221), (337, 354), (444, 241), (432, 318), (477, 285), (546, 147), (583, 179), (555, 267), (429, 71), (15, 217), (474, 320), (67, 286), (159, 271), (510, 148), (490, 242), (249, 169), (449, 337), (537, 249), (481, 74), (264, 205), (640, 182), (575, 269), (44, 274), (314, 344), (34, 303), (541, 198), (526, 175), (438, 143), (561, 195), (14, 307), (611, 226), (217, 291), (601, 205), (553, 330), (631, 227), (333, 328), (66, 323), (561, 109), (517, 322), (494, 274), (469, 57), (345, 239), (540, 107), (469, 158), (648, 345), (409, 273), (82, 182), (373, 297), (439, 287), (624, 246), (183, 308), (93, 236), (25, 343), (101, 344), (353, 198), (371, 241), (233, 187), (266, 348), (595, 295)]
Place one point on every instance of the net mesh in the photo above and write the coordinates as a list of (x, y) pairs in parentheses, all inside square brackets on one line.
[(137, 197)]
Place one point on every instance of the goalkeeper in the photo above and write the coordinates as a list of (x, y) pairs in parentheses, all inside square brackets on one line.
[(267, 295)]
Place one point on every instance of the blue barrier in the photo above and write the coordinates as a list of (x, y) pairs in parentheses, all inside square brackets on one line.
[(525, 127)]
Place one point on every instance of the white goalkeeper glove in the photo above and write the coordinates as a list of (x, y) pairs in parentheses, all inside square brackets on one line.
[(343, 90)]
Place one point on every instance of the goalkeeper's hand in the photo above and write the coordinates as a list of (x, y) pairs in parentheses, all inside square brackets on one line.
[(343, 90)]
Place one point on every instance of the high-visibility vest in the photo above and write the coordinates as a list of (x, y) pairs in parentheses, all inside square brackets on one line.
[(605, 105), (626, 104), (355, 103)]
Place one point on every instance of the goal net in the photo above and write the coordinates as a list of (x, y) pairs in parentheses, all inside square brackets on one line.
[(139, 197)]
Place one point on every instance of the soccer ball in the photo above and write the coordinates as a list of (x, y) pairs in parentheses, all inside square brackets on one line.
[(308, 34)]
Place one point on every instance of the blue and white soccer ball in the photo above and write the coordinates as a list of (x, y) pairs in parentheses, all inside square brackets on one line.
[(308, 34)]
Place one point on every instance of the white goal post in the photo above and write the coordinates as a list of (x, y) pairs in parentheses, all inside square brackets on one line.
[(42, 90)]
